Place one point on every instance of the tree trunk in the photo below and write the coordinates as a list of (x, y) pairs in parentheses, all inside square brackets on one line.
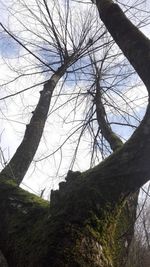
[(20, 162), (87, 223), (84, 225), (132, 42)]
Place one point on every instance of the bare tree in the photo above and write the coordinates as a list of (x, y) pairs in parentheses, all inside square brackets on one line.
[(66, 50), (90, 219), (139, 254)]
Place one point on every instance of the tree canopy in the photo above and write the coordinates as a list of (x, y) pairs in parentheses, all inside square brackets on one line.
[(85, 62)]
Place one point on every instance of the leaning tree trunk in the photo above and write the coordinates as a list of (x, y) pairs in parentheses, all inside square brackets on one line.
[(86, 224), (129, 38), (20, 162)]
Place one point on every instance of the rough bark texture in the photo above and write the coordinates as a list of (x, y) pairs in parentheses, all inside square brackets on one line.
[(80, 228), (87, 223)]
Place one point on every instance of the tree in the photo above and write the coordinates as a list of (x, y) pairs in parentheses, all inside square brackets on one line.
[(139, 254), (87, 223)]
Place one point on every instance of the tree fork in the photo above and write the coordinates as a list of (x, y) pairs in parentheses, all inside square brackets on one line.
[(79, 228), (82, 226)]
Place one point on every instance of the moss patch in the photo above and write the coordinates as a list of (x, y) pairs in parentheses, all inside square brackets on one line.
[(25, 215)]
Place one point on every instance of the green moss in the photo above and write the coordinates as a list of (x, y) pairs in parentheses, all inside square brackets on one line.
[(83, 228), (109, 231), (10, 187), (103, 230), (25, 215)]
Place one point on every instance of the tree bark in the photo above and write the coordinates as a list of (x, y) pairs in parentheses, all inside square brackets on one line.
[(114, 141), (85, 224), (80, 228), (20, 162), (133, 43)]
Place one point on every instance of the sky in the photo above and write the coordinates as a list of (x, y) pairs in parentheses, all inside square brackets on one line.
[(16, 111)]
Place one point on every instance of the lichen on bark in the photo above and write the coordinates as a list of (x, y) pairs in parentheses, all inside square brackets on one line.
[(78, 230)]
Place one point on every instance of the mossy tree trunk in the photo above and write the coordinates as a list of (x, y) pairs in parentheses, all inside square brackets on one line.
[(87, 223), (80, 228), (84, 225)]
